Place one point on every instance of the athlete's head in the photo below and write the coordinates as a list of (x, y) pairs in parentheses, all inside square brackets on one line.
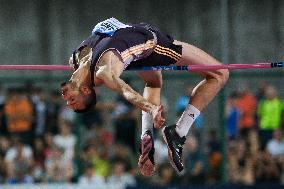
[(80, 99)]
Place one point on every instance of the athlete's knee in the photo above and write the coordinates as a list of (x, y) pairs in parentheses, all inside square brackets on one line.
[(155, 82), (152, 79), (223, 76)]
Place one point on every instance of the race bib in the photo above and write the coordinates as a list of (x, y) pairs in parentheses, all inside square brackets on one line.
[(109, 26)]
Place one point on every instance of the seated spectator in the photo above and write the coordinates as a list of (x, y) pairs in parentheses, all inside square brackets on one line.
[(19, 159), (119, 176), (95, 154), (4, 146), (58, 168), (89, 177), (275, 146), (194, 162), (267, 169), (21, 173), (65, 139)]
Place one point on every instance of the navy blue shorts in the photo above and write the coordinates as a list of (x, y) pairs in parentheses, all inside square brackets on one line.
[(145, 45)]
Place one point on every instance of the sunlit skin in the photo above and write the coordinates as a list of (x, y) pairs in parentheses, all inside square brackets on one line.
[(107, 72), (74, 96)]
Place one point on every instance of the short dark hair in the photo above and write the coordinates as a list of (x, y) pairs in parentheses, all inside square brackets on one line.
[(90, 102), (63, 83)]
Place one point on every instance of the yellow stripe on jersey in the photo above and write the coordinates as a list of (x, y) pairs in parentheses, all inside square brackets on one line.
[(167, 53), (133, 50), (169, 50)]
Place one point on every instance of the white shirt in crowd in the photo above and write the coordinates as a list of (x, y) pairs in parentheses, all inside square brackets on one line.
[(12, 153), (67, 143), (95, 180), (276, 147), (123, 180)]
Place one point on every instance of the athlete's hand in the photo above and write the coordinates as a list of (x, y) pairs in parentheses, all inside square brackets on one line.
[(158, 116)]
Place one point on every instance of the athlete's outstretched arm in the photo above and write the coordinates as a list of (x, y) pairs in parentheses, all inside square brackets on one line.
[(107, 72)]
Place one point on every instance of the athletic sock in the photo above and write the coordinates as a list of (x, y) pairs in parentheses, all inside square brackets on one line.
[(147, 123), (186, 120)]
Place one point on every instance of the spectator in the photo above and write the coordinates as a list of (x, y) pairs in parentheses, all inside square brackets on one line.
[(247, 106), (270, 112), (95, 153), (119, 176), (194, 162), (66, 140), (4, 145), (267, 169), (19, 113), (19, 161), (58, 168), (232, 115), (275, 146), (39, 101), (89, 178)]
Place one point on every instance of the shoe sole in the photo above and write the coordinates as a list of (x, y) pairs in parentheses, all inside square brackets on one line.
[(170, 153), (145, 165)]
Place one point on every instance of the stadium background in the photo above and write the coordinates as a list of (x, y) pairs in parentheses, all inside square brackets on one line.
[(234, 31)]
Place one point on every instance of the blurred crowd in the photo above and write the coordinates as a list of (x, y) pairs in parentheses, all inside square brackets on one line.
[(42, 141)]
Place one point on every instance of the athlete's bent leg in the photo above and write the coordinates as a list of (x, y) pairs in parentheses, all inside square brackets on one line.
[(201, 96), (152, 90)]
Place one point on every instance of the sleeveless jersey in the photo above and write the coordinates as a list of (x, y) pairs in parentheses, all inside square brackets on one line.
[(103, 38)]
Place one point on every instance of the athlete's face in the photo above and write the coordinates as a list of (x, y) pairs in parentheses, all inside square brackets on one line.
[(73, 96)]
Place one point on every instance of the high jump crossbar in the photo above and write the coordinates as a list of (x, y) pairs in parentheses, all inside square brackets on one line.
[(190, 68)]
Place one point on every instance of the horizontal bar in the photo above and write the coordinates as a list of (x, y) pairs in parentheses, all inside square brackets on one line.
[(193, 68)]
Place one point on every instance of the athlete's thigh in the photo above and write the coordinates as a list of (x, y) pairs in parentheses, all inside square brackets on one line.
[(152, 78), (192, 55)]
